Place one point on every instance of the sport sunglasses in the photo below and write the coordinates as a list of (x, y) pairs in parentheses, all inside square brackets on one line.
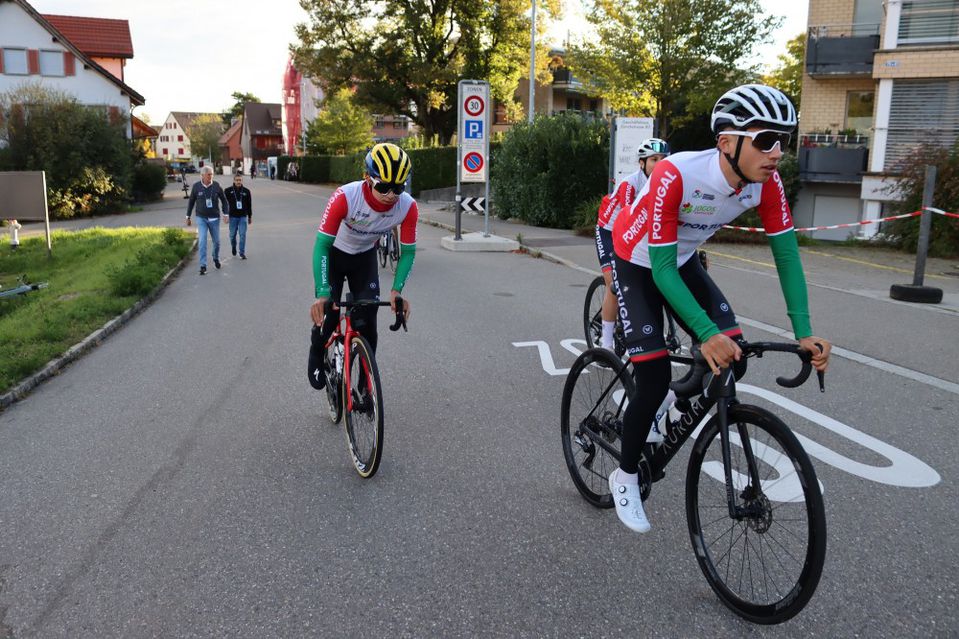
[(384, 187), (764, 140)]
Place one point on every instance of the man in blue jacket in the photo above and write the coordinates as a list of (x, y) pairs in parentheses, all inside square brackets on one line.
[(206, 195)]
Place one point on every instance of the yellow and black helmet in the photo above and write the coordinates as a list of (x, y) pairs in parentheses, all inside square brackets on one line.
[(388, 163)]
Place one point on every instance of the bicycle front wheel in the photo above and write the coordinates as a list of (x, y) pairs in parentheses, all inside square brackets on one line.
[(593, 312), (334, 382), (364, 414), (597, 391), (764, 564)]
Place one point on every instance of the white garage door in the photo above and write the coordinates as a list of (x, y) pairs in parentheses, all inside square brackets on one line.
[(829, 209)]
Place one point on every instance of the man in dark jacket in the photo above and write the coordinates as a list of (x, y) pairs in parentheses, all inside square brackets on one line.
[(206, 195), (240, 201)]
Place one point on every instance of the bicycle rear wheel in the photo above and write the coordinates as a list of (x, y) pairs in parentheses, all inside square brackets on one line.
[(592, 312), (394, 253), (381, 250), (595, 395), (764, 566), (364, 418), (334, 381)]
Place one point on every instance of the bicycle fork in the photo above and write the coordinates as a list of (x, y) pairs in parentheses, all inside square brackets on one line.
[(727, 398)]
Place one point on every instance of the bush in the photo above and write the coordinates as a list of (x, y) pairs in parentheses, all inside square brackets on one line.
[(93, 191), (584, 220), (140, 275), (346, 168), (315, 169), (544, 170), (433, 168), (944, 232), (149, 181)]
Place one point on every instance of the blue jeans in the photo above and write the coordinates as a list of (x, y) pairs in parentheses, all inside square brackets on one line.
[(213, 226), (238, 224)]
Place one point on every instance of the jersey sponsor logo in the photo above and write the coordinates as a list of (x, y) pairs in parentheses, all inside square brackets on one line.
[(697, 209), (647, 329), (698, 194), (700, 227), (745, 196), (658, 202)]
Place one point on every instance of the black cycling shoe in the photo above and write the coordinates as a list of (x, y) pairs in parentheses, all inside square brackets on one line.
[(316, 362)]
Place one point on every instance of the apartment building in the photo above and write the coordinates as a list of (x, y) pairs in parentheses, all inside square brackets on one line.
[(173, 141), (881, 79)]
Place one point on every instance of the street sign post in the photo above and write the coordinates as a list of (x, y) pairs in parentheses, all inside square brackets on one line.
[(627, 135), (472, 141)]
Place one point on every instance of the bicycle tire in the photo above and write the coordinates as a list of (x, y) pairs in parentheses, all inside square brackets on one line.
[(364, 422), (334, 384), (592, 312), (787, 477), (394, 253), (589, 464), (382, 249)]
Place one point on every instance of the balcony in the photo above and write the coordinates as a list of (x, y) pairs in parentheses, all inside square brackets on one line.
[(841, 50), (839, 159), (563, 78)]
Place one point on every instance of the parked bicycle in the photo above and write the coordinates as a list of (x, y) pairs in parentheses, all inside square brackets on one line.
[(754, 506), (389, 249), (353, 385), (22, 288), (677, 340)]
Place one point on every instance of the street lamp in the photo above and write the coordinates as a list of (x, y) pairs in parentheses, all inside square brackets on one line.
[(532, 63)]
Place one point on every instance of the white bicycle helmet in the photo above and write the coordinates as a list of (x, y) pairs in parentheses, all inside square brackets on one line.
[(754, 105), (653, 146)]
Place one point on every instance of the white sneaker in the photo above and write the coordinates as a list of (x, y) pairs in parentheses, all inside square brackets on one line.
[(629, 504)]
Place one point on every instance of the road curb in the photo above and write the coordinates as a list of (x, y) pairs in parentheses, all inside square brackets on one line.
[(54, 366), (532, 252)]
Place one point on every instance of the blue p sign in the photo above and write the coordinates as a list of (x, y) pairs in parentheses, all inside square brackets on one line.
[(473, 130)]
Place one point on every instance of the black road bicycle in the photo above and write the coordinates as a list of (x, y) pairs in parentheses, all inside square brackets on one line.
[(677, 341), (754, 507), (388, 249)]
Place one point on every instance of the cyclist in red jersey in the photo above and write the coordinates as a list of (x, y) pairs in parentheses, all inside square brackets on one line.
[(688, 197), (651, 151)]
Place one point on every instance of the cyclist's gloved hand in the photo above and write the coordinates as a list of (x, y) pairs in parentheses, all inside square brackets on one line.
[(318, 310), (820, 350), (406, 304), (720, 351)]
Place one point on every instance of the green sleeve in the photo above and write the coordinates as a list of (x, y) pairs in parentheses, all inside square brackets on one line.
[(321, 264), (785, 249), (404, 266), (671, 285)]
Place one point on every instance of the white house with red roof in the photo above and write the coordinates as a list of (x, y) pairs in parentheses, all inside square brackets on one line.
[(79, 56)]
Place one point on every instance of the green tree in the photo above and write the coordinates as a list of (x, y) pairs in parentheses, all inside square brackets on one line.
[(787, 77), (84, 150), (669, 59), (408, 59), (235, 111), (204, 133), (341, 127)]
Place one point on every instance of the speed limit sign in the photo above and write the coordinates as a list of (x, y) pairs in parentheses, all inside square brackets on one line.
[(474, 105)]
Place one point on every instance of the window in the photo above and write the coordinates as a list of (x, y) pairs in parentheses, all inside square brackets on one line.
[(166, 151), (51, 63), (399, 125), (380, 124), (179, 151), (15, 61), (179, 138), (922, 112), (859, 107), (929, 21)]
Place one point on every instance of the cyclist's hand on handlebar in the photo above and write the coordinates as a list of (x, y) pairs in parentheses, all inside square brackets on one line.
[(406, 304), (820, 350), (720, 351), (317, 310)]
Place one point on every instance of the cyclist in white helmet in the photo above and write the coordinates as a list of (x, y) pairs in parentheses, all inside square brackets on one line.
[(651, 151), (688, 197)]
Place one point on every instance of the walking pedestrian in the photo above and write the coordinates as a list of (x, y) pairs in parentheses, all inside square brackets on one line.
[(206, 195), (240, 201)]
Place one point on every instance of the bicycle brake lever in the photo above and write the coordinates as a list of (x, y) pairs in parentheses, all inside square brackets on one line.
[(822, 381), (400, 316)]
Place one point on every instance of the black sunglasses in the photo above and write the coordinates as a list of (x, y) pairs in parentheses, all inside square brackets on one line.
[(384, 187), (765, 140)]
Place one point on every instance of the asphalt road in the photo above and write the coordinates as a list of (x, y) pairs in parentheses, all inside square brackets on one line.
[(183, 479)]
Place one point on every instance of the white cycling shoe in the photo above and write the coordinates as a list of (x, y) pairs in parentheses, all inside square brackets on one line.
[(629, 504)]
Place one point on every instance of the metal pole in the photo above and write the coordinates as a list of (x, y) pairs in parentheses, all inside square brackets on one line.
[(46, 214), (458, 210), (532, 64), (925, 225)]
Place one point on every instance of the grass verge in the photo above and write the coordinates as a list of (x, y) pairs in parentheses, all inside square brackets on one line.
[(93, 276)]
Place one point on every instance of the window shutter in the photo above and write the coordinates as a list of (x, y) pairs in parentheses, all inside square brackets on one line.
[(69, 63), (923, 112), (114, 114), (33, 61)]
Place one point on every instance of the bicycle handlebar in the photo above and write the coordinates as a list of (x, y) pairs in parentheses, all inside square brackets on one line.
[(700, 376), (400, 304)]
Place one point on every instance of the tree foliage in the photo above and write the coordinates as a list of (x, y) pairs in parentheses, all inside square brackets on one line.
[(944, 233), (341, 127), (204, 133), (235, 111), (408, 58), (787, 77), (84, 150), (669, 59)]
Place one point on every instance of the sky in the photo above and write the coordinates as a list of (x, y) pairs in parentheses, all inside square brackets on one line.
[(190, 55)]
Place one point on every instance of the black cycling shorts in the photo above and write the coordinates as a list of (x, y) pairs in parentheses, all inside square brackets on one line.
[(604, 248), (361, 273), (641, 306)]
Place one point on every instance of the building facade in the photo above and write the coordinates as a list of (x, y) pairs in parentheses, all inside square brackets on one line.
[(881, 79)]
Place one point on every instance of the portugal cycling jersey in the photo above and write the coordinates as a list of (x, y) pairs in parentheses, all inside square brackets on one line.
[(622, 198), (686, 200), (357, 220)]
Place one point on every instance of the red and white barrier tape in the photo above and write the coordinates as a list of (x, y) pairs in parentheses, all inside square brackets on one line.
[(753, 229)]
